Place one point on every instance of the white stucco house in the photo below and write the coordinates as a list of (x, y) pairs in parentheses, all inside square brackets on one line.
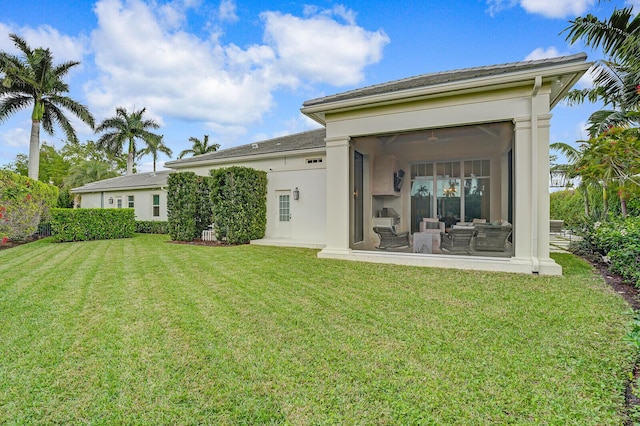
[(146, 193), (455, 147)]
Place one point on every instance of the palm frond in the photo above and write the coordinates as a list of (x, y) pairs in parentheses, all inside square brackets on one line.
[(12, 103)]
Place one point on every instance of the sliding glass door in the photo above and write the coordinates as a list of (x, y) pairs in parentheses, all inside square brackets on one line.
[(452, 191)]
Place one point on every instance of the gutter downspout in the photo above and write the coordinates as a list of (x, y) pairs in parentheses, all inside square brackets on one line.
[(535, 207), (102, 200)]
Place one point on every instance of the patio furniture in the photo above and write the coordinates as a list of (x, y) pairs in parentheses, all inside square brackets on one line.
[(431, 225), (389, 238), (555, 226), (492, 237), (458, 240), (423, 242)]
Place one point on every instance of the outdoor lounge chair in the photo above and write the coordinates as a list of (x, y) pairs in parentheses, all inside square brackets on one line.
[(458, 240), (492, 237), (389, 238), (555, 226)]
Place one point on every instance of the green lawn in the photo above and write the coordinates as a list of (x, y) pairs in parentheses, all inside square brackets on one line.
[(139, 331)]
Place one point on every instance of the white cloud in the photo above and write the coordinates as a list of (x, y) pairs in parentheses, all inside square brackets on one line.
[(16, 137), (540, 53), (633, 3), (174, 74), (546, 8), (320, 49), (227, 11), (63, 47)]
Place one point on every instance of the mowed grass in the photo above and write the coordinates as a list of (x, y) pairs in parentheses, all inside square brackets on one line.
[(140, 331)]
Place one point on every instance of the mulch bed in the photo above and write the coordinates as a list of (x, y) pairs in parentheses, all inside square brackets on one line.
[(632, 295), (12, 244), (199, 242)]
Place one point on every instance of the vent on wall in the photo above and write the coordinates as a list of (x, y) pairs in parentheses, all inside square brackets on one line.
[(314, 160)]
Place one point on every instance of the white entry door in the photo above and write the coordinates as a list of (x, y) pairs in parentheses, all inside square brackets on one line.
[(283, 221)]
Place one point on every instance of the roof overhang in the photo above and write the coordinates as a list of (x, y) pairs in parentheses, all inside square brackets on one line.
[(83, 190), (178, 164), (561, 78)]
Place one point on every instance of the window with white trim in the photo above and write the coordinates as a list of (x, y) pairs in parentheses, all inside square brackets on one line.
[(156, 205)]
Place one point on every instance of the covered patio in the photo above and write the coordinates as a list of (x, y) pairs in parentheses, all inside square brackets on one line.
[(452, 149)]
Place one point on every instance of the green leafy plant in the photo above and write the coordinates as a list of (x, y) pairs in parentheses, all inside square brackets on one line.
[(92, 224), (616, 242), (151, 226), (24, 202), (239, 203), (188, 206)]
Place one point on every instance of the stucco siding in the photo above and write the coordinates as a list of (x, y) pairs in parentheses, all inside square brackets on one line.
[(142, 202)]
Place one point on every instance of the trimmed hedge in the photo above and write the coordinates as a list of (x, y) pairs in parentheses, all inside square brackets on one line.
[(239, 204), (92, 224), (188, 206), (152, 226), (24, 202)]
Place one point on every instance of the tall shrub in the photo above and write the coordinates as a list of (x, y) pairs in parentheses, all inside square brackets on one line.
[(239, 203), (188, 205), (24, 202)]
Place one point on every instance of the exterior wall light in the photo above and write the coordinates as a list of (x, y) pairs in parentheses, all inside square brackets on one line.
[(110, 200), (296, 194)]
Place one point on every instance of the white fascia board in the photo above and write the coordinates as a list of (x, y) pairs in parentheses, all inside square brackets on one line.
[(243, 158), (494, 82), (112, 189)]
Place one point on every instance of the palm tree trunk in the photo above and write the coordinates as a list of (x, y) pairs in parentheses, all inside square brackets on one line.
[(34, 150), (130, 157), (130, 163), (623, 207), (585, 196)]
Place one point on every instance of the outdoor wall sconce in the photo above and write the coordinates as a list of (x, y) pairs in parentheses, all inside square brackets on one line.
[(110, 200), (296, 194)]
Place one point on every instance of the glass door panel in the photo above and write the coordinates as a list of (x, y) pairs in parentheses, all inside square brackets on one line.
[(421, 194)]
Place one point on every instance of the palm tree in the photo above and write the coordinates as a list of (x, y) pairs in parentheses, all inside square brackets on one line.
[(200, 147), (35, 80), (88, 171), (153, 148), (126, 128), (574, 157), (615, 78)]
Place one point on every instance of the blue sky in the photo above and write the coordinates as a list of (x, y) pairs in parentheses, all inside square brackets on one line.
[(239, 71)]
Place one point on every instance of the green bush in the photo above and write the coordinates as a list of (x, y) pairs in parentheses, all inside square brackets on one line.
[(151, 226), (618, 243), (239, 204), (188, 206), (92, 224), (24, 202), (567, 205)]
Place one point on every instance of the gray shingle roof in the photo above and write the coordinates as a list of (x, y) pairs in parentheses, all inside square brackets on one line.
[(299, 141), (446, 77), (136, 181)]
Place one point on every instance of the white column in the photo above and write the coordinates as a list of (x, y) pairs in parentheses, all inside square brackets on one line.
[(338, 197), (522, 206), (547, 266)]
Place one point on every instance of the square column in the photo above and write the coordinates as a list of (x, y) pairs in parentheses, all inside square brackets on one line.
[(338, 197)]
